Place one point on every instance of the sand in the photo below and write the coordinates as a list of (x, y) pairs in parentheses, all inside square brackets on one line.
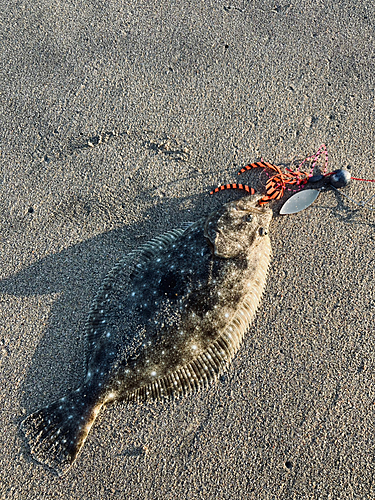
[(117, 118)]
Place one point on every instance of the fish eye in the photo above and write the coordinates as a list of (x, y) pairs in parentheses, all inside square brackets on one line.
[(248, 218), (262, 231)]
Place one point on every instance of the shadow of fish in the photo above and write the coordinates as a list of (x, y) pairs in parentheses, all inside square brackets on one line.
[(167, 320)]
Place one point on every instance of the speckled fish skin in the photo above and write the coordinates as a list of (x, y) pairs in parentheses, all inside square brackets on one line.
[(167, 320)]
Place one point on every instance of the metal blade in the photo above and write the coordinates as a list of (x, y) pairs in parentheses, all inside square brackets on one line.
[(299, 201)]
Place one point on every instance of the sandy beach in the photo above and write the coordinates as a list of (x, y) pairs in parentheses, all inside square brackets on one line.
[(116, 120)]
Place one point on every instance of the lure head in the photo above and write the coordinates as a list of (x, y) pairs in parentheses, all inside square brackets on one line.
[(237, 225), (340, 178)]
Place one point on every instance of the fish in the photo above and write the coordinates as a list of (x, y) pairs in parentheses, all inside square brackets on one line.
[(166, 321)]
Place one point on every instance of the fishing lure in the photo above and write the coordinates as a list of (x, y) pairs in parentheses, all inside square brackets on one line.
[(296, 180)]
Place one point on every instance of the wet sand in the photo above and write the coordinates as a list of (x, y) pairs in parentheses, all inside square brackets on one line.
[(116, 120)]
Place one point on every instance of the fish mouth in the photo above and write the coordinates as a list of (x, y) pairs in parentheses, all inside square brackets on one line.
[(255, 210), (249, 205)]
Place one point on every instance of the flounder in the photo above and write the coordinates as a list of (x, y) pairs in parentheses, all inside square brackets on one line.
[(166, 321)]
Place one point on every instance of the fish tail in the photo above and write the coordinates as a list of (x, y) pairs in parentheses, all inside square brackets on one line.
[(56, 433)]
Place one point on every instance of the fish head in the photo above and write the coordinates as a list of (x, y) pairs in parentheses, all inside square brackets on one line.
[(237, 226)]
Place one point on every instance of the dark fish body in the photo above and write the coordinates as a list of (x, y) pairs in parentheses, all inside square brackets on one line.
[(167, 320)]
